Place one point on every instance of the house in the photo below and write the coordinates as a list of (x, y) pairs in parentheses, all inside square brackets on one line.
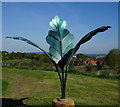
[(92, 62)]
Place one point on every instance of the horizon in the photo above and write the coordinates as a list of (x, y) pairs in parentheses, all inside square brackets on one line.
[(48, 52), (81, 18)]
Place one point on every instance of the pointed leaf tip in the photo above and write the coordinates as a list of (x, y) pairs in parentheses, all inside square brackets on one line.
[(12, 37), (103, 28), (109, 26), (7, 37)]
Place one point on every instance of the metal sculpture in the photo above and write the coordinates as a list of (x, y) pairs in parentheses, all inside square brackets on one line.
[(61, 49)]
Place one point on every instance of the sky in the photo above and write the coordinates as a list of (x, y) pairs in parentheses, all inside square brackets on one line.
[(31, 20)]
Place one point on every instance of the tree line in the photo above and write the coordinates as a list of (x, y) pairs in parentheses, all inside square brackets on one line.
[(42, 61)]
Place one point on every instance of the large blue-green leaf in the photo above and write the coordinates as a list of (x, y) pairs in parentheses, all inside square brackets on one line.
[(67, 57), (59, 39)]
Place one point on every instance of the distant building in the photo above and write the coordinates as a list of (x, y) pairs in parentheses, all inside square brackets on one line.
[(93, 62), (87, 62)]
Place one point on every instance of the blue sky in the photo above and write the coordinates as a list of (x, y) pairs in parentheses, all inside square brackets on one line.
[(31, 20)]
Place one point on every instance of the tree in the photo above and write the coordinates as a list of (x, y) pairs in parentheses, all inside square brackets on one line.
[(82, 56), (112, 58)]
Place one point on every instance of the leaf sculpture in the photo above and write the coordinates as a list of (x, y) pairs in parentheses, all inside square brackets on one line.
[(29, 42), (59, 39), (61, 49), (86, 38)]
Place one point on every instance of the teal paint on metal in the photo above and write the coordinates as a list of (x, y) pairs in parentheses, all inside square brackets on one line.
[(67, 57), (59, 39)]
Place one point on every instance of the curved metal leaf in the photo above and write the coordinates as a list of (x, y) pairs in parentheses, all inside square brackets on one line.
[(29, 42), (33, 44), (67, 57), (59, 39)]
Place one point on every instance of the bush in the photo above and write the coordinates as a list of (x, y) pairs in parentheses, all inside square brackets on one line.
[(90, 68), (95, 75), (105, 72), (112, 59)]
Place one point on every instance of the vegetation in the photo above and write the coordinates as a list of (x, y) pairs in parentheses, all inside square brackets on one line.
[(30, 75), (104, 74), (41, 62), (41, 87), (26, 60), (112, 58), (82, 56), (4, 85)]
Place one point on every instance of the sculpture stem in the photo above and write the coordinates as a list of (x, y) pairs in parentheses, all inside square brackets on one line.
[(63, 90), (66, 76), (63, 83), (59, 75)]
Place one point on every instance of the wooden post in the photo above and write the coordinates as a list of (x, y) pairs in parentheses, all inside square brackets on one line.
[(67, 102)]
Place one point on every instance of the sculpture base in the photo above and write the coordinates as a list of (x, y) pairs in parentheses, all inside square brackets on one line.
[(67, 102)]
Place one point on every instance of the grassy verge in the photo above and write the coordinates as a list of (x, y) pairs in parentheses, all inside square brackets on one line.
[(104, 75), (4, 85), (41, 87)]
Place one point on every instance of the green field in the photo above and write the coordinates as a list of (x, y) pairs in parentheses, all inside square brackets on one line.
[(41, 87), (19, 60)]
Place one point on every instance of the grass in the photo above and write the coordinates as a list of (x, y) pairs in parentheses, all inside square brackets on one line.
[(4, 85), (41, 87), (19, 60)]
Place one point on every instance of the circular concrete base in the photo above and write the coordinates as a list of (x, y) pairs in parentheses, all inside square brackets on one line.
[(67, 102)]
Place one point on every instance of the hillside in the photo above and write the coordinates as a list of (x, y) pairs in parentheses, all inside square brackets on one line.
[(37, 87)]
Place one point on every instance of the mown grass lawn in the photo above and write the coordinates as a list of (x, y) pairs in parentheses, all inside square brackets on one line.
[(41, 87)]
